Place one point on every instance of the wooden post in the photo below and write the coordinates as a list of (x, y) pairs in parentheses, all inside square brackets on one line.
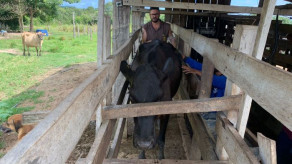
[(90, 33), (121, 24), (267, 149), (168, 16), (100, 44), (264, 26), (107, 37), (78, 34), (206, 79), (74, 25), (136, 16), (244, 38)]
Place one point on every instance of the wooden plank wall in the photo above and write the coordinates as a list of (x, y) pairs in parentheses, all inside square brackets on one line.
[(238, 66)]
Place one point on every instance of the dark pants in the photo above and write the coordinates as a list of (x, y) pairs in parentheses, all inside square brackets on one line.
[(284, 149)]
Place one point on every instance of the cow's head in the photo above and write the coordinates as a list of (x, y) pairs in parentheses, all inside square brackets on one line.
[(40, 35), (147, 85)]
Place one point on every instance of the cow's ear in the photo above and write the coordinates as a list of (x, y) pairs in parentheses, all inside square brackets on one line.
[(168, 67), (127, 71)]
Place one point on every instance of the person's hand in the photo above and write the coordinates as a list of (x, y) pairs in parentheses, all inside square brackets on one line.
[(188, 70), (183, 56)]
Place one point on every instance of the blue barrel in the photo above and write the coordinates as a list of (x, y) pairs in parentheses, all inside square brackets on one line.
[(43, 31)]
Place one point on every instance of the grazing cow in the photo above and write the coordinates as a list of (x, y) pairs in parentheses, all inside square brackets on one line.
[(32, 40), (14, 123), (155, 76)]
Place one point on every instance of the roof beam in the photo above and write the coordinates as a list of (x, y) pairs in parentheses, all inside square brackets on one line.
[(200, 6)]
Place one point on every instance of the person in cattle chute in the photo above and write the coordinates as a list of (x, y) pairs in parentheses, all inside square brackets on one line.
[(156, 29), (154, 76)]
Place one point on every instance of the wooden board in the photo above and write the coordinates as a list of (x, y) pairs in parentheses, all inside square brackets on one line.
[(171, 107), (200, 6), (263, 30), (206, 78), (99, 147), (263, 82), (267, 149), (53, 139), (186, 138), (100, 33), (202, 145), (237, 149), (156, 161), (34, 117)]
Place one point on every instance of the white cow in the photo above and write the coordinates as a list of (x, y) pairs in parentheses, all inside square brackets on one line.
[(30, 39)]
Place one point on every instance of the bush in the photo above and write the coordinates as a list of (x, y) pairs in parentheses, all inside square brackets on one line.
[(62, 38), (12, 45)]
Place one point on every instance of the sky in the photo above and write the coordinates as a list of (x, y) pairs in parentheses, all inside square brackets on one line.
[(94, 3)]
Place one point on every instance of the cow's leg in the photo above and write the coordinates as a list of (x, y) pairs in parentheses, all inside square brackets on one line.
[(23, 49), (161, 137), (28, 50), (37, 51), (40, 53), (142, 154)]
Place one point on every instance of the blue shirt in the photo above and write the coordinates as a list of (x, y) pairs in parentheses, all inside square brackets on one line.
[(218, 83)]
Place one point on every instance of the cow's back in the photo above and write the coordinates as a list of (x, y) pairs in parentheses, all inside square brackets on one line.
[(157, 53), (31, 39)]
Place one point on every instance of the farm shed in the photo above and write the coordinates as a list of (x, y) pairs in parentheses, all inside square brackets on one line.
[(249, 78)]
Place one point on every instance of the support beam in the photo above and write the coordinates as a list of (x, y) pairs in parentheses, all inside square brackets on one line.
[(100, 33), (262, 81), (208, 13), (171, 107), (200, 6), (186, 138), (267, 149), (206, 78), (263, 30), (101, 142), (107, 37), (114, 150), (202, 145), (192, 6), (164, 161), (238, 151)]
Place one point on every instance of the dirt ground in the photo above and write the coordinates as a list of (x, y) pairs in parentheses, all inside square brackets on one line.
[(59, 83)]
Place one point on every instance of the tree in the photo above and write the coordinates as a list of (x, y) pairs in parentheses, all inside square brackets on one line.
[(14, 9), (45, 6)]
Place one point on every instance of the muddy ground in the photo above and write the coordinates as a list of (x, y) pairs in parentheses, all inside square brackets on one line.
[(59, 83)]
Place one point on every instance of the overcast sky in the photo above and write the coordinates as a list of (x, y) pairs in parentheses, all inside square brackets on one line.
[(94, 3)]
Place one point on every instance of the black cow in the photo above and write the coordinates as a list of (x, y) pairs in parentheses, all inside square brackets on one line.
[(155, 76)]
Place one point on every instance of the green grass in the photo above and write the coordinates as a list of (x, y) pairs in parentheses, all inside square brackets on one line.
[(9, 107), (2, 144), (18, 73)]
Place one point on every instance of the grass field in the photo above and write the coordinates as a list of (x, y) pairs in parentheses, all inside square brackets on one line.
[(18, 73)]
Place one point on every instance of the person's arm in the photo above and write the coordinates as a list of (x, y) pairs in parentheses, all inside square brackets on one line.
[(193, 63), (188, 70), (144, 35)]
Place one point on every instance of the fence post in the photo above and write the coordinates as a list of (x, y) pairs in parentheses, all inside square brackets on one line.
[(74, 25)]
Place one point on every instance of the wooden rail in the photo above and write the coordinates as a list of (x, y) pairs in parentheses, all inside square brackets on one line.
[(164, 161), (53, 139), (262, 81), (172, 107)]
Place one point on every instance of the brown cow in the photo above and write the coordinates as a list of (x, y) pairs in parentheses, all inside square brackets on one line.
[(32, 40)]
